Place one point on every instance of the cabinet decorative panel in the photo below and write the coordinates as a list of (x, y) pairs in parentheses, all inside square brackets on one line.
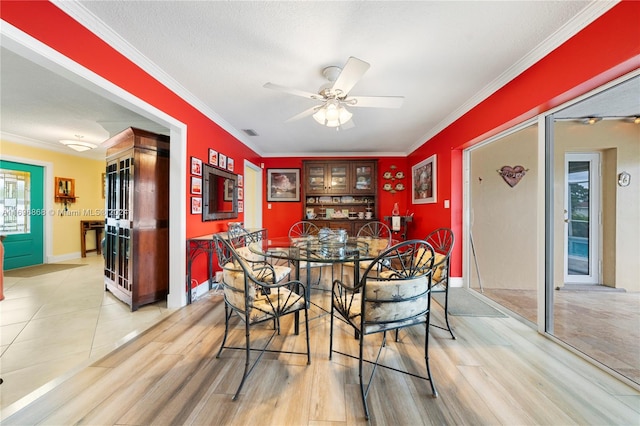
[(137, 217)]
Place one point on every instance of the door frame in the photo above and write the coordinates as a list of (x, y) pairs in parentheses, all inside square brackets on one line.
[(595, 218)]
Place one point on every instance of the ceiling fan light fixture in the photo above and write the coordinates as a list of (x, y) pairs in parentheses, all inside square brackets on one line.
[(79, 146), (332, 114)]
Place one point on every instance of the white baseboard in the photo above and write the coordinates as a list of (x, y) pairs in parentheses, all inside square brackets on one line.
[(201, 289), (456, 282)]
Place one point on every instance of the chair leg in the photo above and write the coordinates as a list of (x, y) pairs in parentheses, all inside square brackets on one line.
[(331, 330), (426, 358), (227, 315), (446, 311), (247, 358), (306, 327), (363, 392)]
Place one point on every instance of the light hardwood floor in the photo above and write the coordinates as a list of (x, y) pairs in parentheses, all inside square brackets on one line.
[(498, 371)]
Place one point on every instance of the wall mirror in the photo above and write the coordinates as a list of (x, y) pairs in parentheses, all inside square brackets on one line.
[(219, 194)]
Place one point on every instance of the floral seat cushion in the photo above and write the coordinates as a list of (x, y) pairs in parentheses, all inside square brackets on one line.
[(261, 306)]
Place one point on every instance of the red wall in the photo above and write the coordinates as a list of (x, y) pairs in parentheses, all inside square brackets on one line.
[(608, 48)]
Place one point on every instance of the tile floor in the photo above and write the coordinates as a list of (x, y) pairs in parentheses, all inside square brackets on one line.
[(53, 324)]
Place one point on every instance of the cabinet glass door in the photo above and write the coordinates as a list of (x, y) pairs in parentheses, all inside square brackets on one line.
[(338, 178), (316, 180), (363, 177)]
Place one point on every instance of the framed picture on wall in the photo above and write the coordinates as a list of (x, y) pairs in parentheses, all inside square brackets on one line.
[(240, 194), (424, 181), (213, 157), (230, 164), (196, 205), (196, 166), (240, 206), (196, 185), (222, 161), (283, 184), (240, 181)]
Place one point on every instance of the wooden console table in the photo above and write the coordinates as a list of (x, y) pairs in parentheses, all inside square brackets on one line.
[(90, 225)]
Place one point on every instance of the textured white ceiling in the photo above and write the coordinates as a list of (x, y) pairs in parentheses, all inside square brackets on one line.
[(442, 56)]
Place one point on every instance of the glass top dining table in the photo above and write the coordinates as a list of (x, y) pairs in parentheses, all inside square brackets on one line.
[(313, 249), (309, 251)]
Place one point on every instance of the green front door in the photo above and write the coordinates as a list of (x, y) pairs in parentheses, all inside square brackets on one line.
[(22, 214)]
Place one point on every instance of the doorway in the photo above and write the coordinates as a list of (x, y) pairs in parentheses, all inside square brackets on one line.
[(22, 213), (582, 218), (252, 195)]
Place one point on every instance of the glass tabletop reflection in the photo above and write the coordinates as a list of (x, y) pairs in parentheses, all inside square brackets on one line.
[(313, 249)]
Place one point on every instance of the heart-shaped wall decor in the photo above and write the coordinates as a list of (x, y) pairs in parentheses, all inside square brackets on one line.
[(512, 175)]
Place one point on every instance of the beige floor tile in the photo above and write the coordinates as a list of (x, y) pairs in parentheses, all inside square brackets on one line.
[(53, 323), (20, 383)]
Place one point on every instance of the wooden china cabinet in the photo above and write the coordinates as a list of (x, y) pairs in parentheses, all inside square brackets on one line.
[(337, 191), (137, 217)]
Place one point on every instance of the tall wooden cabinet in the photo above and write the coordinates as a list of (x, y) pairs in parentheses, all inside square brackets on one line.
[(137, 217), (338, 190)]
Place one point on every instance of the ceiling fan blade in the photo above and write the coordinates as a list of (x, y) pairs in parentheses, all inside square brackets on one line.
[(375, 101), (292, 91), (352, 72), (303, 114)]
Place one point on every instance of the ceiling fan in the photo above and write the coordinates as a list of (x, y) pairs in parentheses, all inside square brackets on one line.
[(334, 95)]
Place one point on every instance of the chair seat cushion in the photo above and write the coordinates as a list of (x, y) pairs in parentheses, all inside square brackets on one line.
[(390, 304), (260, 306), (281, 300), (439, 261)]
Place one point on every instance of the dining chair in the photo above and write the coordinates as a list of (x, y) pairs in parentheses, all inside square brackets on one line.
[(242, 239), (442, 240), (393, 293), (257, 298), (298, 233), (377, 237), (378, 231)]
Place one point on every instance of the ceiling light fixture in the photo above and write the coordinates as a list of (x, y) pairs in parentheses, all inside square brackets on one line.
[(332, 114), (79, 146)]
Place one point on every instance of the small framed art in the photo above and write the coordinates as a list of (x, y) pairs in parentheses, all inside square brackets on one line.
[(240, 193), (230, 164), (424, 182), (222, 161), (196, 185), (196, 166), (213, 157), (283, 184), (240, 181), (196, 205), (240, 206)]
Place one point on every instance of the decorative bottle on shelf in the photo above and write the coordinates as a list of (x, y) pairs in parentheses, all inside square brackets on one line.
[(396, 210)]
